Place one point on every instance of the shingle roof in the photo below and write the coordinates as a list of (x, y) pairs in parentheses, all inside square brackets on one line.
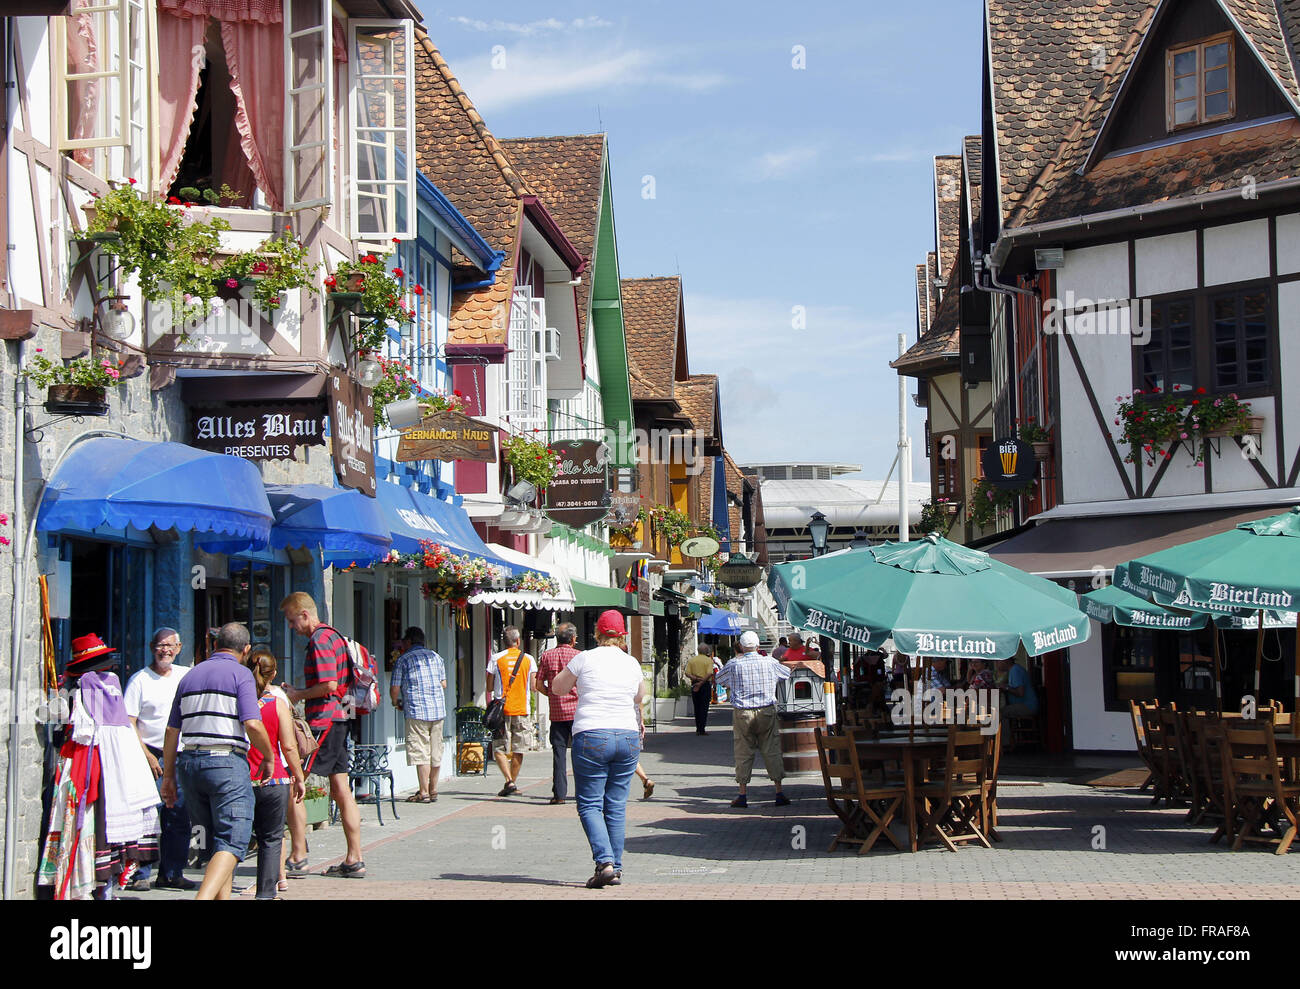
[(922, 302), (569, 174), (457, 152), (736, 484), (651, 311), (931, 273), (942, 342), (973, 167), (947, 208), (698, 396), (1261, 22)]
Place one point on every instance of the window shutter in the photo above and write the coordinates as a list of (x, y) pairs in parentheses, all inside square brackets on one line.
[(308, 104), (382, 131)]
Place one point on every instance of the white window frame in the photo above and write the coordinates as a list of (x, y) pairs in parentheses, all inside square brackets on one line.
[(405, 127), (116, 126), (294, 153)]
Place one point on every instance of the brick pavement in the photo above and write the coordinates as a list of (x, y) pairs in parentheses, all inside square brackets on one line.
[(689, 843)]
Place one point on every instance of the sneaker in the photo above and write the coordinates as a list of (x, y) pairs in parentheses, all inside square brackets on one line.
[(740, 801), (179, 882), (782, 800)]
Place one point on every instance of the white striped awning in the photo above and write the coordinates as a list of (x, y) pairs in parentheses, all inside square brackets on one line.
[(563, 601)]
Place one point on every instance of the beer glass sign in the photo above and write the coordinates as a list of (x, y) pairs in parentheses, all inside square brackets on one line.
[(1009, 463)]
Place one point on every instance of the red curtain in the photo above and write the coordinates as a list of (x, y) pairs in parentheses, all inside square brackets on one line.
[(255, 57), (83, 97), (178, 86)]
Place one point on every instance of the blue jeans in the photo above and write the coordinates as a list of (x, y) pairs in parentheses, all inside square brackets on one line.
[(604, 761), (174, 842), (220, 800)]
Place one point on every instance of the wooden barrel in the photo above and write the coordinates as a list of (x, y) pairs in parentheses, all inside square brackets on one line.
[(799, 744)]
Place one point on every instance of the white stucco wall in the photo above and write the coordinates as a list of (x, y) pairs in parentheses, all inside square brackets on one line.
[(1095, 728), (1288, 244), (1165, 264), (1236, 252)]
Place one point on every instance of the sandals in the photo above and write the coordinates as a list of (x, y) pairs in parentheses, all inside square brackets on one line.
[(605, 875), (418, 798), (282, 886), (649, 789), (508, 790), (296, 870), (357, 870)]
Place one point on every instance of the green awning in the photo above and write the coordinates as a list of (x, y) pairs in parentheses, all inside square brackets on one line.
[(656, 607), (595, 596)]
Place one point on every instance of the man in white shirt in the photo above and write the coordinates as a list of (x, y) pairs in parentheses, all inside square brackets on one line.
[(148, 699)]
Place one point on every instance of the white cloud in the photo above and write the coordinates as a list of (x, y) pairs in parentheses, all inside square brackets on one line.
[(893, 156), (782, 164), (549, 25), (529, 77)]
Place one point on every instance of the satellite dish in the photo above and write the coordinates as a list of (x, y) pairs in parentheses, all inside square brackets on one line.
[(700, 546)]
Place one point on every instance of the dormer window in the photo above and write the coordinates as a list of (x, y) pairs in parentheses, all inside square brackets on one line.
[(1200, 85)]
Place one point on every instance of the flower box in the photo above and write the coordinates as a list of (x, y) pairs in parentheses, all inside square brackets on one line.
[(83, 400), (318, 809), (1254, 427), (349, 284), (1042, 450)]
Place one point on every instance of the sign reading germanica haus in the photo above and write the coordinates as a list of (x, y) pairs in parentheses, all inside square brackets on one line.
[(448, 436), (352, 421), (259, 430)]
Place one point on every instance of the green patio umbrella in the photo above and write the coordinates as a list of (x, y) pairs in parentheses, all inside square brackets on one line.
[(1112, 605), (1251, 569), (933, 597)]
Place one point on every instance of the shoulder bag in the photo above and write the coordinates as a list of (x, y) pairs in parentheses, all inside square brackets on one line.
[(494, 718)]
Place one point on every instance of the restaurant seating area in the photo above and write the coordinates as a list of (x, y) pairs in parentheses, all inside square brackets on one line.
[(1240, 774)]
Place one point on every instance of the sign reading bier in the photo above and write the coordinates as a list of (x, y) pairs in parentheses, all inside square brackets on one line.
[(448, 436)]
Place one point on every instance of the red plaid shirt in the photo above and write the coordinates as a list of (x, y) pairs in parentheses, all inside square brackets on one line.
[(552, 662)]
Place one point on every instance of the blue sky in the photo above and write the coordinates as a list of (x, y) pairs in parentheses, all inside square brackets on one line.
[(774, 187)]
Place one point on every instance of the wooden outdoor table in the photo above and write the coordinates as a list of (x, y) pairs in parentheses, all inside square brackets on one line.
[(920, 747)]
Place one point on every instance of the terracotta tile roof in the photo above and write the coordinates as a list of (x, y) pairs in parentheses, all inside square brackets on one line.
[(703, 482), (698, 396), (931, 273), (736, 484), (651, 311), (973, 167), (1041, 56), (569, 174), (457, 152), (922, 302), (947, 208), (1042, 150), (942, 342)]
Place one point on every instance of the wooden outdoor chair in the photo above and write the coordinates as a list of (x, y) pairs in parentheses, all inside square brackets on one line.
[(865, 812), (1178, 779), (1256, 794), (1206, 768), (1143, 745), (1160, 739), (958, 805)]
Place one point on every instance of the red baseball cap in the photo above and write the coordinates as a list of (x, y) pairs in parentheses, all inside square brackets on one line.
[(611, 623)]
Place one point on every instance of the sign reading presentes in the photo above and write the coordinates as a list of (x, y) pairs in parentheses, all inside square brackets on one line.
[(579, 492), (1009, 463), (259, 430), (448, 436), (352, 421)]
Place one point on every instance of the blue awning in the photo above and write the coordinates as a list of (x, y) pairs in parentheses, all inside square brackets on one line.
[(722, 622), (412, 516), (123, 482), (346, 524)]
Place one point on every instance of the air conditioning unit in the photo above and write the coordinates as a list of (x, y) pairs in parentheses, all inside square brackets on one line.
[(550, 343)]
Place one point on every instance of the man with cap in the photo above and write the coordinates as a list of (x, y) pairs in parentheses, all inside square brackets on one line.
[(148, 698), (751, 680)]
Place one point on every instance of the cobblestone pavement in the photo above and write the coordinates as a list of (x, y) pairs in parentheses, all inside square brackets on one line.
[(687, 842)]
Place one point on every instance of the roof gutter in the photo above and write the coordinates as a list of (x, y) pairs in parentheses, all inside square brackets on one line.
[(1011, 237), (479, 250)]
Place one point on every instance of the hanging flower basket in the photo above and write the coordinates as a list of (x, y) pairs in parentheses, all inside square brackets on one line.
[(78, 399), (1252, 426)]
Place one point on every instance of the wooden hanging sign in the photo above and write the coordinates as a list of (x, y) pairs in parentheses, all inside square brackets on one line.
[(448, 436)]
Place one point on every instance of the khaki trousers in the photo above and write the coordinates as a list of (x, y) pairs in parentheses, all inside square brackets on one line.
[(757, 731)]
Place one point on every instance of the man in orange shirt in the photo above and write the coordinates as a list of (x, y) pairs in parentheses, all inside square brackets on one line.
[(512, 675)]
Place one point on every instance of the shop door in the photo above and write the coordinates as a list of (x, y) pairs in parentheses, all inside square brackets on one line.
[(363, 627), (112, 597)]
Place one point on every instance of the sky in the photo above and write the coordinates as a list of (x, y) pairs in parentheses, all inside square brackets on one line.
[(778, 157)]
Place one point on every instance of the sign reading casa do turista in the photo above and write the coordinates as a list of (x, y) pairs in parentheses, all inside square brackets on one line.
[(579, 493), (352, 421), (448, 436), (1009, 463), (259, 430)]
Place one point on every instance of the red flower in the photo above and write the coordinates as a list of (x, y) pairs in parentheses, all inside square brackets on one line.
[(397, 240), (132, 181), (94, 195), (1200, 391), (173, 200), (399, 273), (187, 204), (457, 394), (330, 282), (418, 290), (370, 259)]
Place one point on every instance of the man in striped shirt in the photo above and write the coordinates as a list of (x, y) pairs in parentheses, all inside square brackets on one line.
[(216, 714)]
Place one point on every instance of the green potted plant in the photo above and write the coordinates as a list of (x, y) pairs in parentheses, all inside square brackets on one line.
[(937, 516), (988, 503), (169, 252), (316, 801), (278, 265), (1037, 437), (532, 461), (377, 293), (396, 385), (81, 384), (672, 524)]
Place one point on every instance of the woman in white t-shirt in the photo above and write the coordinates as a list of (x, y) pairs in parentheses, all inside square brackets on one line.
[(607, 732)]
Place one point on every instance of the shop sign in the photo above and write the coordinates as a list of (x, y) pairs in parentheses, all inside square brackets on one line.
[(642, 596), (579, 493), (259, 430), (352, 423), (448, 436), (623, 507), (1009, 463)]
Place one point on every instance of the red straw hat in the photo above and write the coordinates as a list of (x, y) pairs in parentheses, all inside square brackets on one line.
[(88, 652), (610, 623)]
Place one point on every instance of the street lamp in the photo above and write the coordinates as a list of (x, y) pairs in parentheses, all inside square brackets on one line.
[(818, 529), (860, 540)]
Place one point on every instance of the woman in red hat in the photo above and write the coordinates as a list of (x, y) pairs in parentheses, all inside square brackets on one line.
[(607, 732), (104, 812)]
